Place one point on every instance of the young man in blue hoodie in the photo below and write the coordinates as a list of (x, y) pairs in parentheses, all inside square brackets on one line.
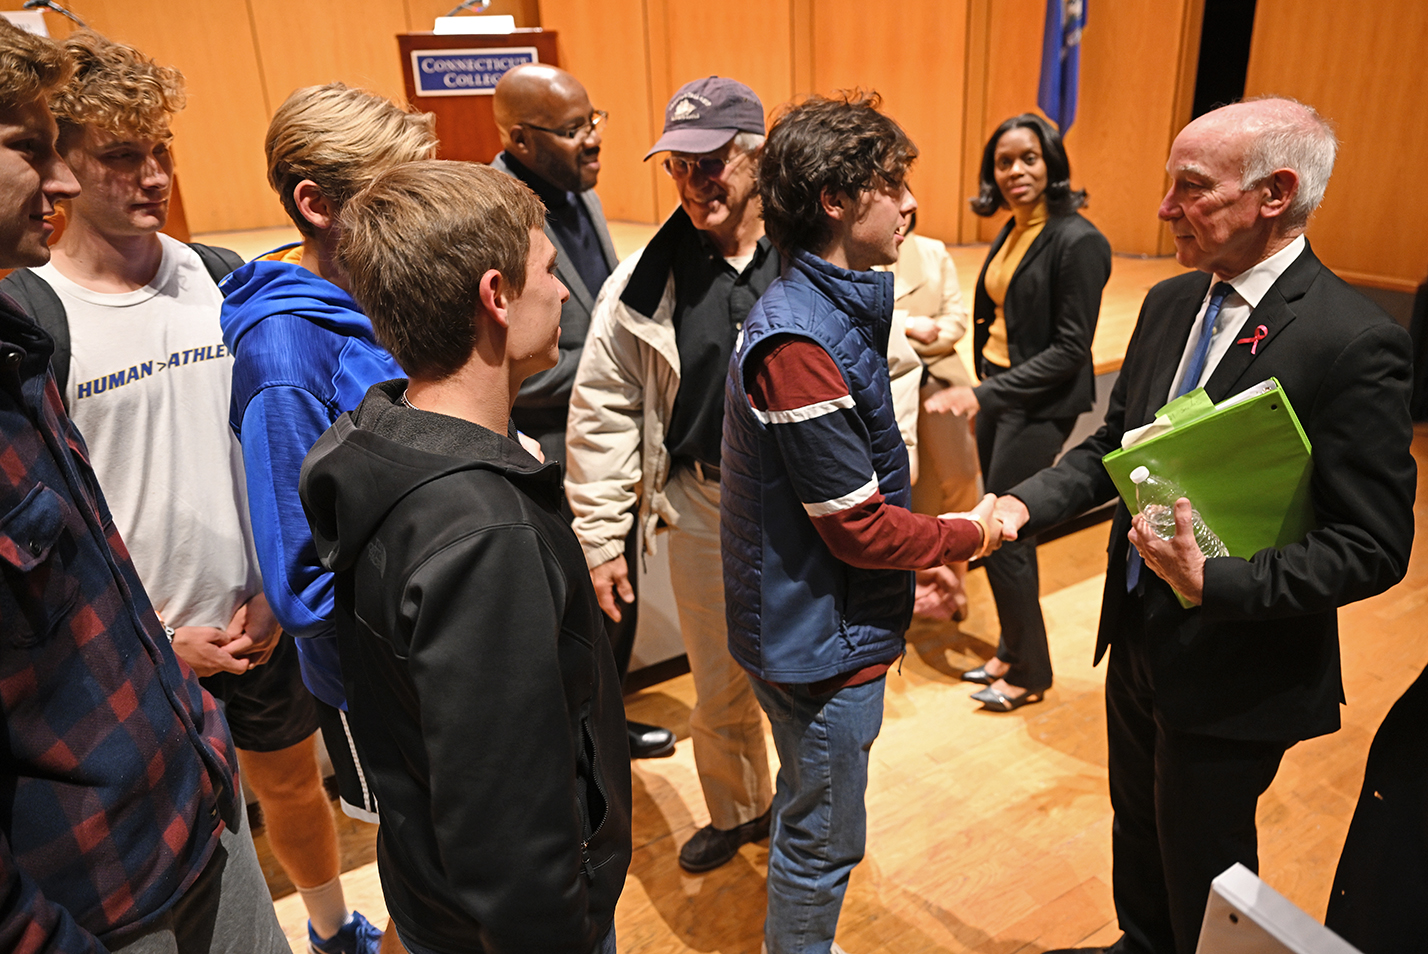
[(304, 353), (818, 543)]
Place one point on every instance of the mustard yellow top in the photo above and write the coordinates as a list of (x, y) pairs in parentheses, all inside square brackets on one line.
[(1000, 270)]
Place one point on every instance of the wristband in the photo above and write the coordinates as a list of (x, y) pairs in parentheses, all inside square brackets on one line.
[(981, 550)]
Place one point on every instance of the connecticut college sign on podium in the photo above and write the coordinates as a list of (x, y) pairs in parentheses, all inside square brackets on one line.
[(453, 76)]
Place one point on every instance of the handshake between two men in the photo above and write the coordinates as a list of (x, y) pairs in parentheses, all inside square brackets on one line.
[(1178, 560)]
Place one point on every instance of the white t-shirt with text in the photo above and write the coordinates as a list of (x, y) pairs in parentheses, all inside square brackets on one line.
[(149, 383)]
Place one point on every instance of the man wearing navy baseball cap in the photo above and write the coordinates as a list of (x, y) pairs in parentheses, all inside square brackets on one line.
[(646, 419)]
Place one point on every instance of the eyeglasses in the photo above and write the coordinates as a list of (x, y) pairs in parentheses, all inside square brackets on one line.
[(584, 131), (679, 168)]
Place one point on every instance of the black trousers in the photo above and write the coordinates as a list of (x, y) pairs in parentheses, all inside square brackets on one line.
[(622, 634), (1184, 806), (1012, 448), (1381, 886)]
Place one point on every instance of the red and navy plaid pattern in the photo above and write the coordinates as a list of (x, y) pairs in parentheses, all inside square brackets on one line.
[(118, 772)]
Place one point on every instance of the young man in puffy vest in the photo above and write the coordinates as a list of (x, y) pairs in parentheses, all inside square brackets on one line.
[(819, 546)]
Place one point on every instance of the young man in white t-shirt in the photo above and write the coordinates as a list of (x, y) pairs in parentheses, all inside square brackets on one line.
[(148, 382)]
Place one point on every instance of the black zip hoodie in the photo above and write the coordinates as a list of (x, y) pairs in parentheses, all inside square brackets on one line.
[(481, 689)]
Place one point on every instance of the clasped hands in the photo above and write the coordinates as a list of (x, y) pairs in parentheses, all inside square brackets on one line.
[(1178, 561), (247, 641)]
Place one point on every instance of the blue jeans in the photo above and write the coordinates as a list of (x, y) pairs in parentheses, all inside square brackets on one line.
[(819, 820)]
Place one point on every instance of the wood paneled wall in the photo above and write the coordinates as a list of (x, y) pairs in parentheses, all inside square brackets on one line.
[(607, 46), (949, 71), (1363, 78), (922, 80)]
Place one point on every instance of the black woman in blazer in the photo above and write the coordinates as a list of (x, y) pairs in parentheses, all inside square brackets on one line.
[(1025, 412)]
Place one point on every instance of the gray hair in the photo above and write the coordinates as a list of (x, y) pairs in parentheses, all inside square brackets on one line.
[(749, 142), (1291, 135)]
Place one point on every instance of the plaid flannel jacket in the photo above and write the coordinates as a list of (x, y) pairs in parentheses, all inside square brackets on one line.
[(117, 773)]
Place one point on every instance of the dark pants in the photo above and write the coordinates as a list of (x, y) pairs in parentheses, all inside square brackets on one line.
[(1377, 904), (622, 634), (1184, 807), (1012, 448)]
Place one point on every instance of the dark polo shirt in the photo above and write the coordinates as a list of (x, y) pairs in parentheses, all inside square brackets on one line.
[(711, 301)]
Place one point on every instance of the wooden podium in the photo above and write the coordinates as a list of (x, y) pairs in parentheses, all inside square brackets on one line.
[(452, 76)]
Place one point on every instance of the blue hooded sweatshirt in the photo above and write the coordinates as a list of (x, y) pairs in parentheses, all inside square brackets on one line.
[(304, 354)]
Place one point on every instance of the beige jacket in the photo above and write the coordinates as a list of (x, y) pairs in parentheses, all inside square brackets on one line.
[(620, 408), (926, 284)]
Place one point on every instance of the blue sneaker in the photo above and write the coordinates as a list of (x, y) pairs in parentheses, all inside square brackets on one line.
[(357, 936)]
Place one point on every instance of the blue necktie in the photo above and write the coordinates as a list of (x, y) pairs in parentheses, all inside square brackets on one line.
[(1188, 383)]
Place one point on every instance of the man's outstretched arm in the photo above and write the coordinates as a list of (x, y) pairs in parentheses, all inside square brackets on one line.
[(797, 390)]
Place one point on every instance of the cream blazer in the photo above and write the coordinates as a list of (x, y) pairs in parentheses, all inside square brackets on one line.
[(925, 283)]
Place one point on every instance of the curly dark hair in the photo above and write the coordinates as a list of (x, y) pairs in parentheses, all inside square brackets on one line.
[(1061, 199), (841, 144)]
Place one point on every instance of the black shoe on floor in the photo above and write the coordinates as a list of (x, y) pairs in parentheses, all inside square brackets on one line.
[(980, 675), (649, 741), (711, 847)]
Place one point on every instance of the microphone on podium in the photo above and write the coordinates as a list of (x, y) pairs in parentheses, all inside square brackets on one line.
[(465, 5), (51, 5)]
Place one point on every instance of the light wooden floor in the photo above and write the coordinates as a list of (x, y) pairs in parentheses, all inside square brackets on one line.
[(990, 832)]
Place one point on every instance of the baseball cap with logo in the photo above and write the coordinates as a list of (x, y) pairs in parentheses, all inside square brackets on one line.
[(705, 114)]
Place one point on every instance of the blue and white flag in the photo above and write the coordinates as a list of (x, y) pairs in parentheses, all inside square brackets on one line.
[(1061, 61)]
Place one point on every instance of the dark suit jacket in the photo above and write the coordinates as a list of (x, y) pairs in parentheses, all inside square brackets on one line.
[(1052, 304), (1260, 658), (544, 398)]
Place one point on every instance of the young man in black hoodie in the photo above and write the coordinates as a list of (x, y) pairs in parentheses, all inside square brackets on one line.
[(481, 689)]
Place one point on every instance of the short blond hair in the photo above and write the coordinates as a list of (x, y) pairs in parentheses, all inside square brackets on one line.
[(30, 66), (414, 245), (341, 138), (117, 89)]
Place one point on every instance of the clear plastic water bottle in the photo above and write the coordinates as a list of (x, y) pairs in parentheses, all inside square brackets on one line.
[(1156, 496)]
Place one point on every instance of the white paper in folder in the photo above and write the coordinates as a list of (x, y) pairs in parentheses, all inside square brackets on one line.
[(1247, 916)]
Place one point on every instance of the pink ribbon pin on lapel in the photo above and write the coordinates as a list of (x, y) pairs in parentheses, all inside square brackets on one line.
[(1253, 341)]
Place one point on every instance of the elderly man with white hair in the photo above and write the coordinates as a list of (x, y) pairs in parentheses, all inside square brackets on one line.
[(1202, 702)]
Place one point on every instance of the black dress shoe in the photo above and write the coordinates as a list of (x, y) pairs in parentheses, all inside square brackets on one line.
[(980, 675), (649, 741), (994, 701), (711, 847)]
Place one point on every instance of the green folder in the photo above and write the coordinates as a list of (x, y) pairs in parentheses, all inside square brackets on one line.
[(1245, 464)]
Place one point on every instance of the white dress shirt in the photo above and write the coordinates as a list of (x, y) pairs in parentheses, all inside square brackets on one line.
[(1249, 287)]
